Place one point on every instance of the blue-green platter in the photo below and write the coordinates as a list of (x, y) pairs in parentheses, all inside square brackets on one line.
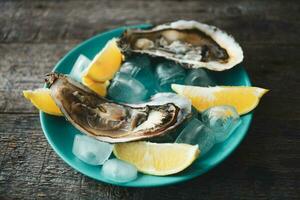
[(60, 133)]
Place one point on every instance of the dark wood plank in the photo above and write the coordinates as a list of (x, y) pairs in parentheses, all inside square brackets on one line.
[(248, 21), (25, 65)]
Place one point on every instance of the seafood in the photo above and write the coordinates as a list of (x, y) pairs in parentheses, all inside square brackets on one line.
[(108, 121), (190, 43)]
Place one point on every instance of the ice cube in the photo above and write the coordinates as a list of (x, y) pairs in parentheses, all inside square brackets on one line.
[(136, 65), (124, 88), (90, 150), (130, 69), (197, 133), (139, 67), (80, 65), (222, 120), (119, 171), (167, 73), (199, 77)]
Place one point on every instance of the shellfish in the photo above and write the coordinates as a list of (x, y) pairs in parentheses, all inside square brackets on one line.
[(109, 121), (190, 43)]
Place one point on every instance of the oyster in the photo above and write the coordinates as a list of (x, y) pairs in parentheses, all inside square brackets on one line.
[(109, 121), (190, 43)]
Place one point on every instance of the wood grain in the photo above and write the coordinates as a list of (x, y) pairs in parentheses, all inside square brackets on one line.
[(45, 21), (34, 35)]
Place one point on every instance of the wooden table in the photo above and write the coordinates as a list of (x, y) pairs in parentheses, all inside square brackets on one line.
[(34, 35)]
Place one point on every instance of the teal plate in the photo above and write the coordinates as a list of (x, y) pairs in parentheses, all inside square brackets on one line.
[(60, 133)]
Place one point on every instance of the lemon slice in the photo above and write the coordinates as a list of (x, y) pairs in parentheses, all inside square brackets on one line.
[(42, 100), (98, 87), (243, 98), (105, 64), (157, 159)]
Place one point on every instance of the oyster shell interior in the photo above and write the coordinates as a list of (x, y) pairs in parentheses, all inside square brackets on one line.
[(182, 44), (109, 121)]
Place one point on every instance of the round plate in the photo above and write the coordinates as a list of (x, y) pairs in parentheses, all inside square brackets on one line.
[(60, 133)]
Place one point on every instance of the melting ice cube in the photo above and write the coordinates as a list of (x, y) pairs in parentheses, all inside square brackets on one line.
[(197, 133), (80, 65), (136, 66), (167, 73), (139, 67), (90, 150), (199, 77), (130, 69), (124, 88), (222, 120), (119, 171)]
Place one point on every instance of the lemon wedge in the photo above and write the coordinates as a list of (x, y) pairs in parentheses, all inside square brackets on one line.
[(105, 64), (42, 100), (157, 159), (98, 87), (243, 98)]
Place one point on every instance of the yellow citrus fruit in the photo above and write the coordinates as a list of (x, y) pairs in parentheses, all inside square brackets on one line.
[(157, 159), (243, 98), (105, 64), (98, 87), (42, 100)]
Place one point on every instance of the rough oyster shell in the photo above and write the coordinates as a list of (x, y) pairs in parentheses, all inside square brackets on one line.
[(190, 43), (109, 121)]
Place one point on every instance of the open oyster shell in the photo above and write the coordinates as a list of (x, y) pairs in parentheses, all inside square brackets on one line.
[(190, 43), (109, 121)]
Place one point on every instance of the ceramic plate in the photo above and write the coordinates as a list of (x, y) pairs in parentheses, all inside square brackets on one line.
[(60, 133)]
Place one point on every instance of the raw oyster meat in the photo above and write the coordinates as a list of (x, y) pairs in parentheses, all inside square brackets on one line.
[(190, 43), (108, 121)]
